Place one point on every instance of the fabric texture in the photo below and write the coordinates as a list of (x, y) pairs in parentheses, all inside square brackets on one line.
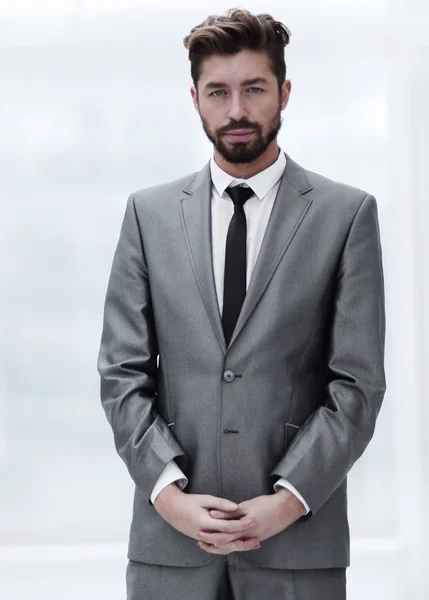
[(295, 393), (232, 579)]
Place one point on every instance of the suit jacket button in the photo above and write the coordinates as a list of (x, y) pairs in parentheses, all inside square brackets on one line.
[(228, 375)]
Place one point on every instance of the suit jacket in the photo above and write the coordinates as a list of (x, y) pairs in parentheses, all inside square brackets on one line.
[(295, 394)]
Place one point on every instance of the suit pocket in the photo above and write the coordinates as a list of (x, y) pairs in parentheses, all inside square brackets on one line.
[(290, 432)]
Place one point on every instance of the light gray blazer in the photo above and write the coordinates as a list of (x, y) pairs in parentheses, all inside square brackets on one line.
[(296, 393)]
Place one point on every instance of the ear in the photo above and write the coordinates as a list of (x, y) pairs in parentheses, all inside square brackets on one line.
[(194, 95), (286, 90)]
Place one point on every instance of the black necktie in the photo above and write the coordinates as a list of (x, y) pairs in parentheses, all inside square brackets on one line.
[(234, 282)]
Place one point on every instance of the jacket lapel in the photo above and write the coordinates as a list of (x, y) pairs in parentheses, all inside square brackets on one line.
[(289, 209), (196, 221)]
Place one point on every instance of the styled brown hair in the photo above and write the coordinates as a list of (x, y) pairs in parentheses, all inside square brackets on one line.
[(235, 30)]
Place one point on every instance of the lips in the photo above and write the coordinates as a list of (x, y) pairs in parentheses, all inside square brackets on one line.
[(239, 131), (239, 134)]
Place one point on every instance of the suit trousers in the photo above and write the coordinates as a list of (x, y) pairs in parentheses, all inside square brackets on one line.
[(232, 577)]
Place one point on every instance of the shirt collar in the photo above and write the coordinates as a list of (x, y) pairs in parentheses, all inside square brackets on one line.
[(261, 183)]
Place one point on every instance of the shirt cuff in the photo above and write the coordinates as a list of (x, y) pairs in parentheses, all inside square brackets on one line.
[(170, 473), (282, 482)]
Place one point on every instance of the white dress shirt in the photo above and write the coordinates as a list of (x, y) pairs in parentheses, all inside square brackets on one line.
[(257, 210)]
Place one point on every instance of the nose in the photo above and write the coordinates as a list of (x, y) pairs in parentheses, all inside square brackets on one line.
[(237, 108)]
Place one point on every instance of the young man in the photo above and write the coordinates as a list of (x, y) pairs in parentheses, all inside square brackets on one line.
[(242, 350)]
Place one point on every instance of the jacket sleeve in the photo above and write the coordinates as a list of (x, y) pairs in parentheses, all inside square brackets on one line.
[(127, 363), (335, 435)]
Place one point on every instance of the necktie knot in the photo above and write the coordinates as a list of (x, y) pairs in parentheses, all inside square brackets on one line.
[(239, 194)]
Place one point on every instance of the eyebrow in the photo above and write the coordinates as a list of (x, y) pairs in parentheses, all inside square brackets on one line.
[(220, 84)]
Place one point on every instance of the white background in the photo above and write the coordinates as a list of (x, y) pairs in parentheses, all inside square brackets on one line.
[(95, 104)]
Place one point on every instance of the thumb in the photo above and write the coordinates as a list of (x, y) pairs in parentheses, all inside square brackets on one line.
[(218, 503)]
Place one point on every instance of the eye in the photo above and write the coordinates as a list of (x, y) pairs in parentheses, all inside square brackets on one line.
[(217, 93), (258, 89)]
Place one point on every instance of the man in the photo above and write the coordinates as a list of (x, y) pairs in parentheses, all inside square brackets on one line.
[(242, 350)]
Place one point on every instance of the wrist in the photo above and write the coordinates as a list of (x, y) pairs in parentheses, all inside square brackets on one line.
[(166, 494), (291, 502)]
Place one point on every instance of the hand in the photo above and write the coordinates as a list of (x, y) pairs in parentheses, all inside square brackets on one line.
[(190, 514), (273, 513)]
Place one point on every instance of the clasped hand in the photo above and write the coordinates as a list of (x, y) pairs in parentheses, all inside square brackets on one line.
[(222, 528)]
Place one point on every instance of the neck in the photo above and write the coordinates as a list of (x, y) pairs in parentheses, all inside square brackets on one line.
[(246, 170)]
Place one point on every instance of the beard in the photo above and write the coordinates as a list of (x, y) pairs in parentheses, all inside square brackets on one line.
[(243, 152)]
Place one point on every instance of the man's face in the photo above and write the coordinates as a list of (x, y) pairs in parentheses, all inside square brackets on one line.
[(240, 104)]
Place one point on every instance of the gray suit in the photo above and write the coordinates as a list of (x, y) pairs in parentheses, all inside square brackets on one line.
[(296, 393)]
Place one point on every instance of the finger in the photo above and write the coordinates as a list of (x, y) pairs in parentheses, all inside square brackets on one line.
[(219, 514), (208, 501), (212, 549), (228, 526), (237, 545), (245, 545), (219, 539)]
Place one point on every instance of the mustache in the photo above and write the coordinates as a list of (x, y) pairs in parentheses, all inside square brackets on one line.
[(241, 125)]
